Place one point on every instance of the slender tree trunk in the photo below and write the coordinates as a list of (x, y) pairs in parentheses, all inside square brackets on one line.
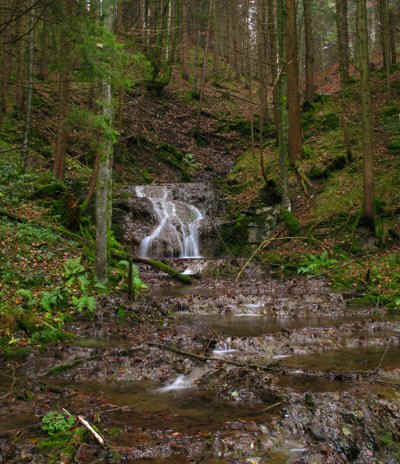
[(368, 200), (283, 116), (5, 64), (295, 133), (262, 63), (343, 55), (392, 25), (384, 29), (19, 59), (205, 60), (28, 113), (185, 41), (343, 38), (62, 130), (44, 49), (104, 175), (309, 49), (64, 79), (272, 41)]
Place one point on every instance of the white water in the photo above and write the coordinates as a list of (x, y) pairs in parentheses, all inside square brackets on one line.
[(179, 383), (177, 232)]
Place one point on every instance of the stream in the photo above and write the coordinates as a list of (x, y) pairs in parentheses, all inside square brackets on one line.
[(218, 372)]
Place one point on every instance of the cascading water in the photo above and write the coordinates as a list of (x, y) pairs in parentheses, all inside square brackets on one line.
[(177, 232)]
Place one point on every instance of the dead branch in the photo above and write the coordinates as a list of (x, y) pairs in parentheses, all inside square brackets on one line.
[(86, 424), (262, 245), (165, 268), (267, 367)]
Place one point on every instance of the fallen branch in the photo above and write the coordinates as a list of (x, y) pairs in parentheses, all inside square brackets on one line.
[(165, 268), (96, 435), (188, 354), (257, 250), (86, 424), (69, 365)]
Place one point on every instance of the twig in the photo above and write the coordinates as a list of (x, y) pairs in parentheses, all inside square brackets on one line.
[(267, 367), (96, 435), (257, 250), (382, 358), (86, 424)]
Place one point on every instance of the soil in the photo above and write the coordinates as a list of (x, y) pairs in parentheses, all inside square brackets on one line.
[(222, 371)]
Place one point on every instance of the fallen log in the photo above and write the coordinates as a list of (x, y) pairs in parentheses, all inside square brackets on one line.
[(186, 279)]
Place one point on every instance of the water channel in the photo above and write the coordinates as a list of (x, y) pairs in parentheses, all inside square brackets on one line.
[(228, 372)]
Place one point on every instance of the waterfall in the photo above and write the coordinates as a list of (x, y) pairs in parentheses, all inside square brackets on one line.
[(177, 232)]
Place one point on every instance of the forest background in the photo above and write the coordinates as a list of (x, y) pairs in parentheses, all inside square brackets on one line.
[(276, 102)]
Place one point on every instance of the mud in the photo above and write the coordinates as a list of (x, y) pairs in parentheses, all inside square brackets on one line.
[(255, 371)]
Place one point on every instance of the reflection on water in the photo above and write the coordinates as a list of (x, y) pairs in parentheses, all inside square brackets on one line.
[(254, 326), (355, 359)]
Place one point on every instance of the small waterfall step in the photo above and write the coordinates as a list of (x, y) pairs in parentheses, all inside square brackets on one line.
[(178, 223)]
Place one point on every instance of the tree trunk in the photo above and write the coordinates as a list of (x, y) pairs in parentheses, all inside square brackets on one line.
[(44, 49), (185, 42), (272, 41), (392, 25), (343, 38), (384, 29), (368, 213), (62, 131), (29, 91), (262, 63), (295, 133), (283, 116), (343, 55), (104, 175), (309, 49)]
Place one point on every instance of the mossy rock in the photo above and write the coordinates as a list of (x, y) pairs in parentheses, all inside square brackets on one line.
[(235, 236), (291, 222), (173, 158)]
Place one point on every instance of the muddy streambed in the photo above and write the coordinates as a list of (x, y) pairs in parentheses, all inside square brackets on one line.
[(255, 371)]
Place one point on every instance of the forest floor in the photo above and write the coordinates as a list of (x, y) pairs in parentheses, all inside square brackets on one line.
[(298, 358)]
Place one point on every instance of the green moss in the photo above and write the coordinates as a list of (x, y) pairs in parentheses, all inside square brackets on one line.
[(173, 158), (16, 353), (291, 222), (394, 144), (235, 236)]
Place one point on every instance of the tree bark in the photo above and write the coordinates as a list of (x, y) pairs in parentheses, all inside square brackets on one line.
[(295, 133), (272, 41), (343, 55), (262, 63), (309, 49), (368, 213), (29, 91), (343, 38), (283, 114), (104, 175), (384, 32), (392, 26)]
